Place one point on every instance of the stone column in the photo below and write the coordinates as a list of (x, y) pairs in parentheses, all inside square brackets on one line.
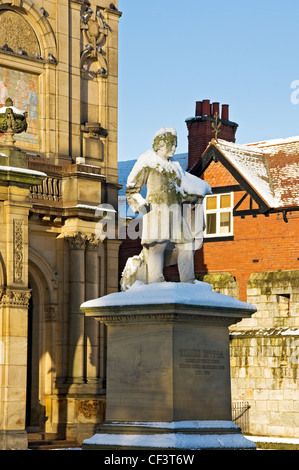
[(14, 295), (76, 318), (112, 275), (13, 368), (92, 292)]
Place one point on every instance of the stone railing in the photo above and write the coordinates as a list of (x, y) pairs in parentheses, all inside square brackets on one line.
[(51, 187), (49, 190)]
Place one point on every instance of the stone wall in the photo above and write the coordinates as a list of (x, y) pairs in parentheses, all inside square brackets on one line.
[(265, 351), (264, 373), (265, 355)]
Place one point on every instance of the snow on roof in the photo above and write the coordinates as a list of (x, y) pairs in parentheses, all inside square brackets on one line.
[(252, 165), (271, 167), (273, 142)]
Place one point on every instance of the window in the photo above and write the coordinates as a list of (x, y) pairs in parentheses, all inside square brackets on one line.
[(219, 215)]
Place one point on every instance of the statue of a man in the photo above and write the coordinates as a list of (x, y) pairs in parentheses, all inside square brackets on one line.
[(173, 220)]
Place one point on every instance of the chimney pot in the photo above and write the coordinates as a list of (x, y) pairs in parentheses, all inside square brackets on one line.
[(198, 109), (206, 108), (225, 112), (215, 109)]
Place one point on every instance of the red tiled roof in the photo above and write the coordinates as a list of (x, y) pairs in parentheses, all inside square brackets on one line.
[(270, 167), (282, 157)]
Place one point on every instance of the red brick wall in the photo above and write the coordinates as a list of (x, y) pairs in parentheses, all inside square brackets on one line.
[(201, 134), (217, 175), (260, 244)]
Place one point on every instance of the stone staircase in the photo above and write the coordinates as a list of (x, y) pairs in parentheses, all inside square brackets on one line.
[(41, 441)]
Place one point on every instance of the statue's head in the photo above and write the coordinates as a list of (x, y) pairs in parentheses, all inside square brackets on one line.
[(165, 142)]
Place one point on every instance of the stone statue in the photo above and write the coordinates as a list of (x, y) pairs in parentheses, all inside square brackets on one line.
[(173, 219)]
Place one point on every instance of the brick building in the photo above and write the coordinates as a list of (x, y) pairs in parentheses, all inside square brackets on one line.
[(251, 251), (252, 217)]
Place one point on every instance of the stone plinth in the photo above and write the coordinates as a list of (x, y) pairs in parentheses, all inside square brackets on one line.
[(168, 367)]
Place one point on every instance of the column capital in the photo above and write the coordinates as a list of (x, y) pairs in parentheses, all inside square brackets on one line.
[(14, 297), (77, 241), (93, 242)]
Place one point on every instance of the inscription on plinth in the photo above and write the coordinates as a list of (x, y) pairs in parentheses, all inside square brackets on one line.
[(202, 361)]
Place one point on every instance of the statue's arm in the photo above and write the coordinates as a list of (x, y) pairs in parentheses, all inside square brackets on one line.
[(193, 188), (136, 182)]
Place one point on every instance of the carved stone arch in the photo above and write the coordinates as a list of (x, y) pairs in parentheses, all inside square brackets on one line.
[(37, 262), (41, 339), (37, 21)]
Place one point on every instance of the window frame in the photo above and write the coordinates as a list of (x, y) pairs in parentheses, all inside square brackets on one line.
[(219, 211)]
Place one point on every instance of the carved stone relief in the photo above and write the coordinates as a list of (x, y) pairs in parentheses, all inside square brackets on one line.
[(16, 35), (95, 31), (50, 313), (18, 251)]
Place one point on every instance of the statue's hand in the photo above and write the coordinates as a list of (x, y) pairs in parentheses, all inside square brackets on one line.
[(144, 208)]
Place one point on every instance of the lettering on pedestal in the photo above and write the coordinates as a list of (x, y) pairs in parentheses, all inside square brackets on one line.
[(18, 251), (202, 361)]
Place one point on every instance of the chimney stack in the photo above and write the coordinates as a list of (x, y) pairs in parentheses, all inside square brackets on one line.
[(201, 132)]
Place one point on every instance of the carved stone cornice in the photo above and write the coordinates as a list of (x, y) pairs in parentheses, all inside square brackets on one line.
[(167, 314), (14, 297)]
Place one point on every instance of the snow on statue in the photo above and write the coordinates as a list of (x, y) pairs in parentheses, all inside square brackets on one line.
[(173, 219)]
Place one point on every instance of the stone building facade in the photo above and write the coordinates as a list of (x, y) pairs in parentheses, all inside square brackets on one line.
[(58, 62)]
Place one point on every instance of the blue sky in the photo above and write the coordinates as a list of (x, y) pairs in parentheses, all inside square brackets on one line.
[(173, 53)]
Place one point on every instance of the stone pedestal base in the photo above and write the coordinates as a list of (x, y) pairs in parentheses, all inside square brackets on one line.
[(180, 435), (168, 367)]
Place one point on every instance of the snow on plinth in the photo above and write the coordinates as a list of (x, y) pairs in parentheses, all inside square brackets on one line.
[(191, 435), (196, 294)]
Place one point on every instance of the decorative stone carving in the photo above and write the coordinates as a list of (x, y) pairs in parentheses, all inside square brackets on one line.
[(50, 313), (18, 250), (93, 130), (17, 34), (12, 121), (14, 298), (95, 31), (93, 242), (77, 241)]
